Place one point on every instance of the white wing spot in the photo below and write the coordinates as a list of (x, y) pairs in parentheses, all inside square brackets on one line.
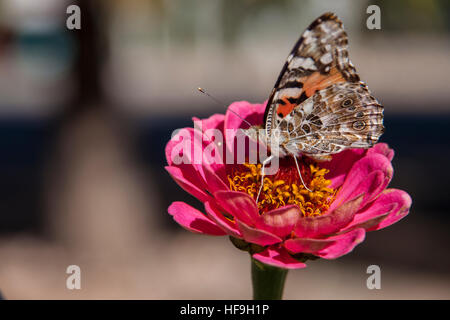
[(289, 92), (308, 106), (326, 58), (307, 63), (308, 36)]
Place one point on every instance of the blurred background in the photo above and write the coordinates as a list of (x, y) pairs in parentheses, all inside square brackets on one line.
[(85, 116)]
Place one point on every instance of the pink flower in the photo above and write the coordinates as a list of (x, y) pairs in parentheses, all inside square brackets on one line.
[(288, 225)]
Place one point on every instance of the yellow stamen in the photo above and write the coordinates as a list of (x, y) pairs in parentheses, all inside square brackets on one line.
[(285, 187)]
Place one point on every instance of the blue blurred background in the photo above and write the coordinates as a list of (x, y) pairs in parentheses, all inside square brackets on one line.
[(85, 116)]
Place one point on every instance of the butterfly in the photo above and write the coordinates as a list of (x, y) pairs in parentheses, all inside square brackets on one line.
[(319, 106)]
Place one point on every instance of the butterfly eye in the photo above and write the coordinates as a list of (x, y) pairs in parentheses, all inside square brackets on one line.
[(347, 102)]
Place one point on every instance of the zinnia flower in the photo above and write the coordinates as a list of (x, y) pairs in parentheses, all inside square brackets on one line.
[(288, 225)]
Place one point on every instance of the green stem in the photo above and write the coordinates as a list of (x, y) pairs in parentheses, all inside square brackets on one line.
[(268, 281)]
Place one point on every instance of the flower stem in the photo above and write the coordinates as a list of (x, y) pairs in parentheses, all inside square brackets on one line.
[(268, 281)]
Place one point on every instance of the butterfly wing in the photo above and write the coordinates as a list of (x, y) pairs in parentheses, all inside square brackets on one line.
[(344, 115), (318, 60)]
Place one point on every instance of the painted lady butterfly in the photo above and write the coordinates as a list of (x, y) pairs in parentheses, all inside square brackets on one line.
[(319, 106)]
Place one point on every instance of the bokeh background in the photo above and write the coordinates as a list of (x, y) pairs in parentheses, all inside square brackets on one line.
[(85, 116)]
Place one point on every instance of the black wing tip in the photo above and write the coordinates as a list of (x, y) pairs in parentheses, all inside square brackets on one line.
[(327, 16)]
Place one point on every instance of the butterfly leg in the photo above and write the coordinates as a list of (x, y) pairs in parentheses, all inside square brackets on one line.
[(299, 173), (266, 161)]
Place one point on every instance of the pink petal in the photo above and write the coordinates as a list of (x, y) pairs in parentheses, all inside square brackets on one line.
[(185, 144), (193, 154), (342, 162), (240, 205), (214, 157), (179, 177), (373, 221), (252, 113), (193, 220), (278, 257), (190, 170), (329, 248), (375, 212), (228, 226), (216, 121), (329, 223), (257, 236), (402, 202), (190, 137), (344, 244), (382, 148), (213, 182), (368, 176), (281, 221), (340, 165)]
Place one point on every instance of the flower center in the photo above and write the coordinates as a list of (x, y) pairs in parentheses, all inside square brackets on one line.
[(285, 187)]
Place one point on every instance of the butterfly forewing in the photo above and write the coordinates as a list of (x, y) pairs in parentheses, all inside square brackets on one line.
[(318, 60)]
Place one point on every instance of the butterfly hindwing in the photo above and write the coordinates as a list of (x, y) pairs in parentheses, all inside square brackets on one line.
[(344, 115), (318, 60)]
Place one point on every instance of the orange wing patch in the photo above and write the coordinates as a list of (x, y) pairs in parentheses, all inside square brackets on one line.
[(319, 81), (312, 83), (286, 108)]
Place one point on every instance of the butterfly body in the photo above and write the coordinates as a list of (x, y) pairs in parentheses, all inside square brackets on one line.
[(319, 106)]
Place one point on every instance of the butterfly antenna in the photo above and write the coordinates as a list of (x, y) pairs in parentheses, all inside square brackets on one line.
[(300, 175), (222, 104)]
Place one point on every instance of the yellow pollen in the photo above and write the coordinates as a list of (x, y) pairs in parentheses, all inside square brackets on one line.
[(285, 187)]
